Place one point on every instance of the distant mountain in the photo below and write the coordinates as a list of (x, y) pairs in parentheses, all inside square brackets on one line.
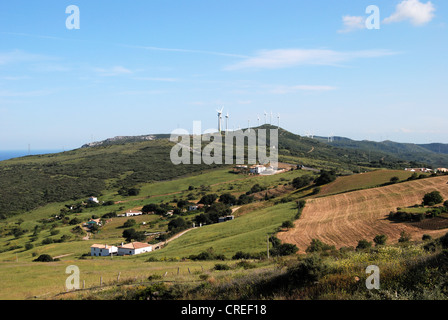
[(433, 155)]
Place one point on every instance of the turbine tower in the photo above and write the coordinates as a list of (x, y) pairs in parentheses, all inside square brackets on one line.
[(278, 120), (227, 121), (219, 119), (258, 118), (265, 117)]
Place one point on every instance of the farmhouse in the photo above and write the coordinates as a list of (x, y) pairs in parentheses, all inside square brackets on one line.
[(442, 170), (132, 213), (195, 207), (102, 250), (134, 248), (94, 199), (257, 169), (418, 169), (92, 222)]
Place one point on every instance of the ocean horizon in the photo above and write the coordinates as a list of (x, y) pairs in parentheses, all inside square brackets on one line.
[(10, 154)]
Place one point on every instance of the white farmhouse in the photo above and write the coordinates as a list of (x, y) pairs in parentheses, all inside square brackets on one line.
[(94, 199), (131, 213), (257, 169), (102, 250), (134, 248)]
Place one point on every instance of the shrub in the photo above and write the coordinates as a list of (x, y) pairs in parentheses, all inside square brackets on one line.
[(44, 258), (380, 239), (404, 237), (285, 249), (29, 246), (445, 204), (221, 266), (302, 181), (318, 246), (394, 179), (363, 244), (129, 223), (287, 224), (426, 237)]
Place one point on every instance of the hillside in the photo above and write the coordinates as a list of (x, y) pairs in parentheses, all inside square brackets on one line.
[(434, 155), (126, 162), (344, 219)]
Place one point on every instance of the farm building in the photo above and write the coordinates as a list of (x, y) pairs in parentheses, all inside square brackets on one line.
[(195, 207), (134, 248), (92, 222), (132, 213), (418, 169), (226, 218), (94, 199), (442, 170), (257, 169), (102, 250)]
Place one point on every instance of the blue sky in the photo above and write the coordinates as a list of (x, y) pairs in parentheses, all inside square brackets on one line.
[(152, 66)]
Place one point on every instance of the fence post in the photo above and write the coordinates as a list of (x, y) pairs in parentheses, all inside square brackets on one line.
[(118, 277)]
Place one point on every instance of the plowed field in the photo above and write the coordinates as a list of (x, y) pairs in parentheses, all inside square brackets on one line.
[(344, 219)]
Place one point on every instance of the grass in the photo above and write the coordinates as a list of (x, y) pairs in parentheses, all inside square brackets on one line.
[(363, 181)]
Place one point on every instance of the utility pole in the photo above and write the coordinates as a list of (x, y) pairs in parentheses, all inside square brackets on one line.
[(268, 245)]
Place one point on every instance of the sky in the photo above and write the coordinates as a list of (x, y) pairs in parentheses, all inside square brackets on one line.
[(143, 67)]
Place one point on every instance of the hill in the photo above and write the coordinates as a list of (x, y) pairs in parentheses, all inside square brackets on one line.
[(126, 162), (433, 155), (344, 219)]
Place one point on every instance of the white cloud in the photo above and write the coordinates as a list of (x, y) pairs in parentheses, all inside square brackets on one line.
[(114, 71), (352, 23), (18, 56), (290, 89), (282, 58), (413, 10)]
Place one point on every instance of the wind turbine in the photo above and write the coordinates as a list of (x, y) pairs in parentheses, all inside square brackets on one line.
[(227, 121), (278, 120), (219, 118), (258, 118), (265, 117)]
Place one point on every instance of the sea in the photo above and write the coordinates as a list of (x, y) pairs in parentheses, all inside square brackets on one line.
[(10, 154)]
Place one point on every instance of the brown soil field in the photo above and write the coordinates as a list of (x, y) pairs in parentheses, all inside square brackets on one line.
[(344, 219)]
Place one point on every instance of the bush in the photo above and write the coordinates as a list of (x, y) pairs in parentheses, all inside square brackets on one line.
[(445, 204), (221, 266), (404, 237), (426, 237), (380, 239), (129, 223), (302, 181), (325, 177), (432, 198), (284, 249), (363, 244), (29, 246), (44, 258), (308, 271), (394, 179), (287, 224), (318, 246)]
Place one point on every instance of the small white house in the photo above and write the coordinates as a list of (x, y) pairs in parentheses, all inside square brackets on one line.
[(134, 248), (226, 218), (131, 213), (102, 250), (257, 169), (94, 199)]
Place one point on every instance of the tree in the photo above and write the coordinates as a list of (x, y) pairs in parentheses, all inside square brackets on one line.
[(394, 179), (284, 249), (287, 224), (318, 246), (44, 258), (177, 224), (228, 199), (404, 237), (152, 207), (380, 239), (129, 223), (208, 199), (302, 181), (363, 244), (325, 177), (432, 198), (445, 204)]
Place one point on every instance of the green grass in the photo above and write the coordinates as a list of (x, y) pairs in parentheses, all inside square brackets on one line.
[(363, 181)]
